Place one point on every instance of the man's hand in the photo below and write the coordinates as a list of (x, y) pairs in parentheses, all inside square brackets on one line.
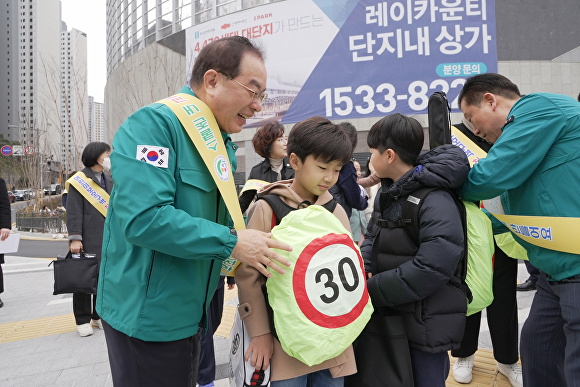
[(255, 248), (260, 351), (4, 233)]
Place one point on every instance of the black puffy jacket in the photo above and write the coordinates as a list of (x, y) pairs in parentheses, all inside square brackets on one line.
[(419, 281)]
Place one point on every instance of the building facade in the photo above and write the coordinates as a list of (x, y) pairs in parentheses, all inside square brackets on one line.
[(74, 106), (44, 108), (96, 121), (538, 47)]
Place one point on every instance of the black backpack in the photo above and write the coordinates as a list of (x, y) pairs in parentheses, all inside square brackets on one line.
[(281, 209), (410, 223)]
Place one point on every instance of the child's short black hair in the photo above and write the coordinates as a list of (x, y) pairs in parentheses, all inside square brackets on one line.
[(319, 137), (351, 131), (400, 133)]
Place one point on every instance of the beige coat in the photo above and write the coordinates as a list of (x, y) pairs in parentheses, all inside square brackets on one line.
[(252, 306)]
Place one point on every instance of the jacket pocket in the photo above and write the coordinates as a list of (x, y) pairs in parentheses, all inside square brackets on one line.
[(198, 179)]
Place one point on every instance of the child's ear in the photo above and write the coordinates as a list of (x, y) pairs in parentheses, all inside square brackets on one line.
[(391, 156), (294, 161)]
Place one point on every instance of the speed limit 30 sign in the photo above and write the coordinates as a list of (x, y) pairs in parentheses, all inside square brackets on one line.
[(328, 281)]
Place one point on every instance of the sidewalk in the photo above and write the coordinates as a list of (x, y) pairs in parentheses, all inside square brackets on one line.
[(40, 347)]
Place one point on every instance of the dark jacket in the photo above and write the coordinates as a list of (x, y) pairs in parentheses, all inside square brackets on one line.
[(347, 192), (418, 281), (83, 221), (5, 218), (263, 171)]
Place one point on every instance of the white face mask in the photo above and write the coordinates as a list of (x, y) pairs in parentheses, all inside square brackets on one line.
[(106, 163)]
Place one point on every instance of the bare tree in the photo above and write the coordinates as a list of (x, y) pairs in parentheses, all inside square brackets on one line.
[(153, 73)]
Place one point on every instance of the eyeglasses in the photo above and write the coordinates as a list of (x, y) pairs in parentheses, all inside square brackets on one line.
[(255, 94), (282, 139)]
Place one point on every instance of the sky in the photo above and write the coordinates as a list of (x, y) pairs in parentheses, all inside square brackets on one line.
[(89, 17)]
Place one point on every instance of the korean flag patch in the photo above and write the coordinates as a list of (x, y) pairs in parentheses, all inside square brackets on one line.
[(154, 155)]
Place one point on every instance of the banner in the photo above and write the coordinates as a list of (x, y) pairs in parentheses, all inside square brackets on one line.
[(346, 59)]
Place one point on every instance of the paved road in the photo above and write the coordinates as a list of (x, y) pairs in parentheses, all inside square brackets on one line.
[(40, 347)]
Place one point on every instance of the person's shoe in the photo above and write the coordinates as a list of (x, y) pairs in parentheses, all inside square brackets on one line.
[(210, 384), (84, 330), (97, 323), (528, 285), (513, 372), (462, 369), (1, 303)]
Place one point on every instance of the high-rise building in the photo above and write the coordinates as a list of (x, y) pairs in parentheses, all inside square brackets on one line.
[(74, 113), (96, 120), (44, 106), (31, 37), (9, 70)]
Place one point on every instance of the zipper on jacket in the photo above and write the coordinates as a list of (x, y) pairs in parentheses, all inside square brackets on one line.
[(150, 271)]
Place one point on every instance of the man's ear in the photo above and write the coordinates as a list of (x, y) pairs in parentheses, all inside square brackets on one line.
[(210, 81), (294, 161), (489, 99)]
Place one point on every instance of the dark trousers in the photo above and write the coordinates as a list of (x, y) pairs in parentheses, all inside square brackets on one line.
[(138, 363), (429, 369), (550, 344), (532, 271), (206, 372), (84, 308), (502, 315)]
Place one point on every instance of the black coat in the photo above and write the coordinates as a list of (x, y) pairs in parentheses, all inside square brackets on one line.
[(83, 221), (5, 216), (263, 171), (418, 281)]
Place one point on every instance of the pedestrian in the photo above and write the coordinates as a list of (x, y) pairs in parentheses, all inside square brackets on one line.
[(502, 313), (358, 220), (269, 142), (534, 166), (416, 279), (347, 191), (168, 230), (5, 227), (317, 152), (85, 221)]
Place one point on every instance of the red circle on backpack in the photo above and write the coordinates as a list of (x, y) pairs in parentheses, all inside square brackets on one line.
[(343, 247)]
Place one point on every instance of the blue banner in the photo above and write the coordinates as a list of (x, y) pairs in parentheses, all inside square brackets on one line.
[(391, 56)]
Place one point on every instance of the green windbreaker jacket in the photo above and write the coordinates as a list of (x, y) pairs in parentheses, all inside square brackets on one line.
[(166, 232)]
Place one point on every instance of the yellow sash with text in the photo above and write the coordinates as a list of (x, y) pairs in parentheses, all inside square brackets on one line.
[(201, 126), (254, 184), (554, 233), (94, 193)]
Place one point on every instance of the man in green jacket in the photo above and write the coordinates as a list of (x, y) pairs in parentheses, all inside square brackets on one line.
[(534, 166), (168, 230)]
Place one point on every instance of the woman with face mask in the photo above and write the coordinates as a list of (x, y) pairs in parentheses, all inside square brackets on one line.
[(85, 224)]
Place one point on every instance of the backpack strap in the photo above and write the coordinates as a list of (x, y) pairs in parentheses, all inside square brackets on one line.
[(411, 209), (280, 208)]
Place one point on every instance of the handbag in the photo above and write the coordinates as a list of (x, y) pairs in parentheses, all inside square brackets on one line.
[(75, 273), (241, 372), (382, 354)]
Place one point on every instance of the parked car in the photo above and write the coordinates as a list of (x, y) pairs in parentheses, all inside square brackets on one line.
[(55, 189), (11, 197), (21, 194)]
